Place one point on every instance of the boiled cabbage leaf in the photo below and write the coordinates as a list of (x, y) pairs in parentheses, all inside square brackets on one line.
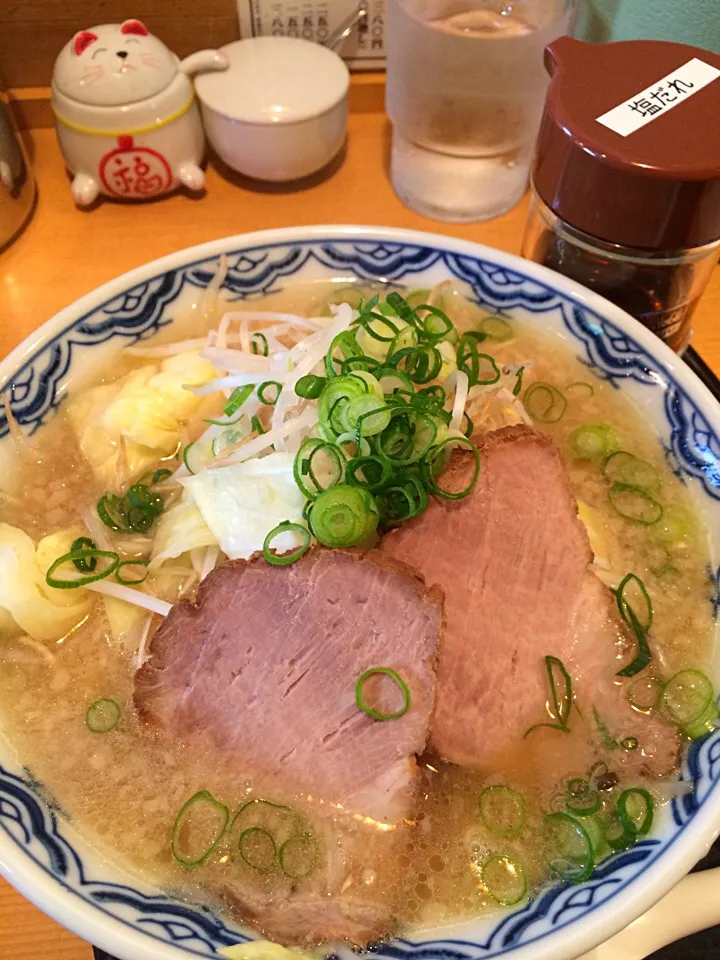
[(27, 604), (181, 529), (243, 502), (146, 408)]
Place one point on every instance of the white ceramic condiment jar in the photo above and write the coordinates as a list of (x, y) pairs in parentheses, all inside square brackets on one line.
[(126, 116), (280, 111)]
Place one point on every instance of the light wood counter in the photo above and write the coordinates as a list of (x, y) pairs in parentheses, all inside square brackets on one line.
[(64, 253)]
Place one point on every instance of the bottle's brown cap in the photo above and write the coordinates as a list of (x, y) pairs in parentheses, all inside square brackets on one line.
[(658, 186)]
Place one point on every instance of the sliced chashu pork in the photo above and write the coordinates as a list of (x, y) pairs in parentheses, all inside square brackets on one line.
[(512, 560), (264, 667), (266, 662)]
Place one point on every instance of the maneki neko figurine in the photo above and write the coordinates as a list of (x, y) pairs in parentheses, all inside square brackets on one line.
[(127, 120)]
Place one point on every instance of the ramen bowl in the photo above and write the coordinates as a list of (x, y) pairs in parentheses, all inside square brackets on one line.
[(41, 851)]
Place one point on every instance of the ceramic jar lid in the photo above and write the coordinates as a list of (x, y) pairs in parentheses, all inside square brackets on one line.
[(629, 147), (275, 80)]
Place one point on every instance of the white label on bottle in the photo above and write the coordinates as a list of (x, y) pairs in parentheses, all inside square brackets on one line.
[(316, 20), (660, 97)]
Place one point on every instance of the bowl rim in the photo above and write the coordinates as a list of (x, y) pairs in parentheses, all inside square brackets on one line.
[(600, 922)]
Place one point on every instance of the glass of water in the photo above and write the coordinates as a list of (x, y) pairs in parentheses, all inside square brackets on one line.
[(465, 91)]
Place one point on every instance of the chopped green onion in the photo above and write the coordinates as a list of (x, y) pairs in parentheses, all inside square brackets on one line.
[(259, 344), (408, 437), (378, 326), (109, 567), (431, 462), (688, 700), (609, 742), (318, 466), (162, 474), (201, 815), (496, 328), (593, 441), (223, 423), (131, 581), (256, 426), (283, 559), (310, 387), (237, 398), (480, 368), (344, 516), (633, 503), (518, 383), (504, 879), (368, 415), (257, 848), (643, 654), (625, 468), (135, 512), (436, 325), (349, 348), (268, 384), (351, 294), (420, 364), (561, 695), (406, 339), (84, 543), (544, 402), (567, 848), (635, 808), (581, 798), (371, 711), (110, 510), (595, 829), (279, 821), (414, 298), (644, 693), (336, 394), (398, 504), (392, 380), (102, 716), (674, 525), (640, 598), (502, 810), (376, 472), (580, 390), (298, 856)]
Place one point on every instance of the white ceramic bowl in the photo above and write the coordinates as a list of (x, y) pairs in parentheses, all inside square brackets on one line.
[(280, 111), (43, 855)]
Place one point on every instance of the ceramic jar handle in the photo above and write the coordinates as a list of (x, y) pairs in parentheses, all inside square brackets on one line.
[(203, 61), (693, 905)]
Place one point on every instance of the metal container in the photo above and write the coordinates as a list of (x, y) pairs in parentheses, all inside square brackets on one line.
[(17, 185)]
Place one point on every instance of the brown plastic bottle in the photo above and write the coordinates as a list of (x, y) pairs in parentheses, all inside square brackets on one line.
[(626, 176)]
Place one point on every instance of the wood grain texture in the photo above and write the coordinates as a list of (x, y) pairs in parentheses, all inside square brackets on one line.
[(64, 253), (32, 32)]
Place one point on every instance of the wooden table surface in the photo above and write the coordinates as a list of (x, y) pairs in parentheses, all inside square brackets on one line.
[(64, 253)]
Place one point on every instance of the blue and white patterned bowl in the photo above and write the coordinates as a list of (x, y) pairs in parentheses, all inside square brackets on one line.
[(41, 852)]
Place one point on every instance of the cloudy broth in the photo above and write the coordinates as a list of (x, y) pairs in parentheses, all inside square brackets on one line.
[(123, 790)]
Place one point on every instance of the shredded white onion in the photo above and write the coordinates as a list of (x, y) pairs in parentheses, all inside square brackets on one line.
[(268, 316), (140, 657), (96, 528), (308, 418), (167, 349), (137, 597), (209, 299), (36, 646), (211, 558), (235, 361), (460, 382), (237, 380), (313, 351)]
